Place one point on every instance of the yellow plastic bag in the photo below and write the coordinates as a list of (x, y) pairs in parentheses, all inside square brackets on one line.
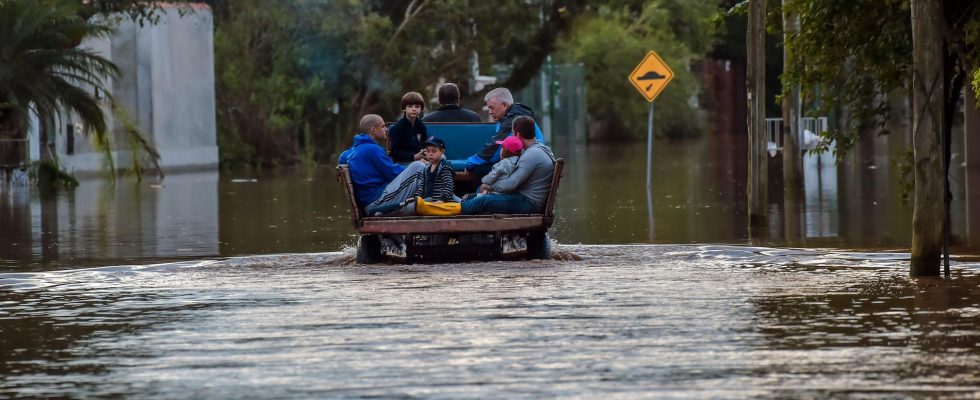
[(436, 209)]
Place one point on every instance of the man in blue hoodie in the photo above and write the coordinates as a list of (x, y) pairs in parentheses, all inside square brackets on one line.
[(380, 185)]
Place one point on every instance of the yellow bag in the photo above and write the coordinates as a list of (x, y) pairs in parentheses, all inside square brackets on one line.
[(436, 209)]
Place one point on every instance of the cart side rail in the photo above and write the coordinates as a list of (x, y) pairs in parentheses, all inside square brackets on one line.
[(343, 175)]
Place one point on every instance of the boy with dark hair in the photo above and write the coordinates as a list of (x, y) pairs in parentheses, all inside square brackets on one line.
[(408, 133), (438, 182)]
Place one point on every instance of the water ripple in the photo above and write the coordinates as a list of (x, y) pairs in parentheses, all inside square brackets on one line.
[(614, 321)]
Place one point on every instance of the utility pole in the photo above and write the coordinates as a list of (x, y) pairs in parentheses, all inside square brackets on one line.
[(928, 92), (756, 82), (792, 162)]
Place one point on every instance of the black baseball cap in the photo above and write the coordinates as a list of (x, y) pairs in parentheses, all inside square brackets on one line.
[(434, 141)]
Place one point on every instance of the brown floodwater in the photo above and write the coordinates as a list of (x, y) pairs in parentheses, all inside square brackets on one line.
[(242, 284), (697, 196), (709, 321)]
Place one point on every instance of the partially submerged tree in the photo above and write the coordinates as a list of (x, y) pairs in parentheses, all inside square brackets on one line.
[(853, 53), (41, 70), (44, 72)]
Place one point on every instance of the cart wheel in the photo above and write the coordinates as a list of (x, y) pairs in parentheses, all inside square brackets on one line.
[(538, 246), (369, 249)]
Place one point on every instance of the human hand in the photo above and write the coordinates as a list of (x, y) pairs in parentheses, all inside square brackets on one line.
[(485, 189)]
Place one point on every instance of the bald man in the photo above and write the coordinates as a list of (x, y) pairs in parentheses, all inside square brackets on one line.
[(380, 185)]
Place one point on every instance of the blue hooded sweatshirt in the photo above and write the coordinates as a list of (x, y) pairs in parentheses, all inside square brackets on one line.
[(370, 168)]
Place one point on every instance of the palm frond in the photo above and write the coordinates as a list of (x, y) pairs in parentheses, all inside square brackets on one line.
[(42, 69)]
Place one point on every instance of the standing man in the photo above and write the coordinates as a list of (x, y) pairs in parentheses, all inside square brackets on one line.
[(502, 107), (449, 109), (526, 189), (380, 185)]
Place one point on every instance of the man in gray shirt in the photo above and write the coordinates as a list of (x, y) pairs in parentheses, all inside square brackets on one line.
[(526, 190)]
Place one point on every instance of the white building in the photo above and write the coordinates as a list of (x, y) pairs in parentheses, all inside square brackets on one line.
[(166, 85)]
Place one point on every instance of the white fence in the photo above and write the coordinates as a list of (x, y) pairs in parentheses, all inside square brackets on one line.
[(774, 130)]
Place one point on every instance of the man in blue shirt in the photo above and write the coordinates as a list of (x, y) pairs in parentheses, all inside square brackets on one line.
[(380, 185)]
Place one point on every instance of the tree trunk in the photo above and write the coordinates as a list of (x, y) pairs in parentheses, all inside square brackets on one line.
[(756, 82), (792, 159), (792, 162), (928, 94)]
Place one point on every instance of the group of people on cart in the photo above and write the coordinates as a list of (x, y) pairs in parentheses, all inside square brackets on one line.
[(514, 169)]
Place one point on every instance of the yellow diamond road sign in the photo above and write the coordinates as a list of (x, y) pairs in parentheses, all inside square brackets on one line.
[(651, 76)]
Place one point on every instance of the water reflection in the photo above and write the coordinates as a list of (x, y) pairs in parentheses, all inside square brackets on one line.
[(97, 221), (820, 188), (697, 196)]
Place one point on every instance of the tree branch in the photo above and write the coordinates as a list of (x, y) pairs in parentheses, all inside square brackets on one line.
[(409, 15)]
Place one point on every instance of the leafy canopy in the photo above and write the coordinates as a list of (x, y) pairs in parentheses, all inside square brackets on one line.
[(614, 37)]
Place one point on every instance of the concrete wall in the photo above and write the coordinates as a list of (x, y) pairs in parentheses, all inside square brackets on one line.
[(166, 86)]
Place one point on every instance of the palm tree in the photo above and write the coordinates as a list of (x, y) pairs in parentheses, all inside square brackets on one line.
[(43, 71)]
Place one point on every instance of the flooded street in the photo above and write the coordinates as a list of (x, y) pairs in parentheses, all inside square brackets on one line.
[(624, 322), (242, 284), (698, 196)]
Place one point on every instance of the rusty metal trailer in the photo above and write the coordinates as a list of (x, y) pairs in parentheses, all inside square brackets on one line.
[(471, 236)]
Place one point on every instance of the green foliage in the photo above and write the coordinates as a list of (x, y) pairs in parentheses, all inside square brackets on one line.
[(904, 164), (610, 42), (976, 83), (852, 53), (42, 71), (140, 11), (50, 173), (140, 147), (283, 66)]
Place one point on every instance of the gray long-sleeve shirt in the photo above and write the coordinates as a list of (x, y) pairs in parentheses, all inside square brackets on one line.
[(501, 169), (531, 177)]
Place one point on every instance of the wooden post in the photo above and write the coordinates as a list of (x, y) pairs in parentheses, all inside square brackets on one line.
[(792, 162), (927, 113), (792, 159), (756, 83)]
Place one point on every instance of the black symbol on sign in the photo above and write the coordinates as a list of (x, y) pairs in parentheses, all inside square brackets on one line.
[(649, 76)]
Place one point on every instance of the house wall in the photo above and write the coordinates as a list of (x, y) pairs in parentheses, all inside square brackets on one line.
[(166, 87)]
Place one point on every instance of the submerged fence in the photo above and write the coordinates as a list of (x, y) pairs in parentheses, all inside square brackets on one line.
[(14, 153), (14, 159), (815, 126)]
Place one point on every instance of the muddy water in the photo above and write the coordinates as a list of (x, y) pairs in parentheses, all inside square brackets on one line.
[(698, 196), (242, 284), (623, 322)]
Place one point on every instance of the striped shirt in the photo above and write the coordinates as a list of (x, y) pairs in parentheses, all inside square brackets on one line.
[(438, 184)]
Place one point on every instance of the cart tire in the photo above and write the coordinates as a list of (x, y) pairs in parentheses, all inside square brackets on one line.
[(369, 249), (538, 246)]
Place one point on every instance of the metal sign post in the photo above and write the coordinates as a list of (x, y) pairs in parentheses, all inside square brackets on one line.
[(649, 166), (650, 77)]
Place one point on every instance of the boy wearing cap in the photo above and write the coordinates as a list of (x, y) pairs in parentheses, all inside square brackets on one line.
[(511, 148), (438, 183)]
